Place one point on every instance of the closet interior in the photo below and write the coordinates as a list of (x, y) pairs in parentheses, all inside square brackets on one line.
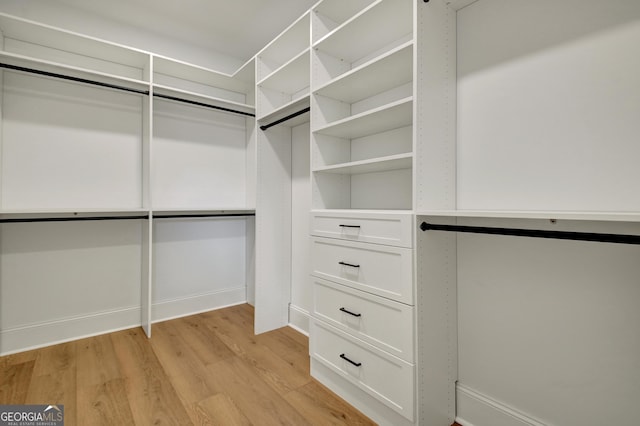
[(443, 196)]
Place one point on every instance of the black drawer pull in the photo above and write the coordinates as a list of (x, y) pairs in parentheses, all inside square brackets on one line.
[(357, 364), (350, 313), (348, 264), (349, 226)]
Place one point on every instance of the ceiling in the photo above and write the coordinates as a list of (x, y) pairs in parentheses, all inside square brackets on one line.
[(238, 28)]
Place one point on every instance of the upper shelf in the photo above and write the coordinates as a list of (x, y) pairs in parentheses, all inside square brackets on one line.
[(291, 77), (289, 44), (330, 14), (374, 28), (49, 50), (391, 116), (392, 69), (47, 68)]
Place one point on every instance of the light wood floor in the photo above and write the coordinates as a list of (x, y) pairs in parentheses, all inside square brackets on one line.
[(206, 369)]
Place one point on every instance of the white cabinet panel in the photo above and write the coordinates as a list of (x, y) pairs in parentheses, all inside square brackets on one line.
[(376, 320), (382, 270), (385, 377), (394, 229)]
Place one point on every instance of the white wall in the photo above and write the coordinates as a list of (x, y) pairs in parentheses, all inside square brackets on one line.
[(549, 328), (548, 101)]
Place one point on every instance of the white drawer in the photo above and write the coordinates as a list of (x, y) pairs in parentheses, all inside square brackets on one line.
[(395, 229), (376, 320), (383, 376), (383, 270)]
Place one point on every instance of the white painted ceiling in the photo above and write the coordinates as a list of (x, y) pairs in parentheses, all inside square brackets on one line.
[(238, 28)]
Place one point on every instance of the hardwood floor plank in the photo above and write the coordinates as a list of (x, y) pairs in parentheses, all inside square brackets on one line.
[(321, 407), (221, 410), (152, 398), (104, 404), (281, 375), (54, 379), (191, 379), (201, 340), (96, 361), (14, 382), (254, 397)]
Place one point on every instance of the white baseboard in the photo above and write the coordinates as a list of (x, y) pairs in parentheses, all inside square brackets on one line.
[(176, 308), (299, 319), (39, 335), (476, 409)]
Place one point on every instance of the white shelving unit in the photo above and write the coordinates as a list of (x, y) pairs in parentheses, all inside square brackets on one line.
[(362, 107), (110, 156)]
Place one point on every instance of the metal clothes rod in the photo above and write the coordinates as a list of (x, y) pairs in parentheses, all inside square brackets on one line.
[(70, 219), (536, 233), (288, 117), (187, 101), (196, 215), (117, 87), (76, 79)]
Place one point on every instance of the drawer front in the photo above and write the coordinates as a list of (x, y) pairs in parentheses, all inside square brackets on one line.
[(395, 229), (381, 322), (385, 377), (383, 270)]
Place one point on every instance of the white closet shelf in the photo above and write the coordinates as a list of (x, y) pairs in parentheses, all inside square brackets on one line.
[(342, 43), (392, 69), (45, 35), (288, 45), (381, 164), (203, 212), (49, 67), (291, 77), (535, 214), (69, 213), (360, 211), (197, 97), (339, 11), (387, 117), (286, 110), (198, 74)]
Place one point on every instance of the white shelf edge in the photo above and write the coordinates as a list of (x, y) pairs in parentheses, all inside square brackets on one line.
[(388, 163), (306, 51), (75, 34), (534, 214), (71, 212), (196, 211), (190, 65), (64, 67), (363, 66), (346, 23), (283, 32), (210, 99), (364, 114), (286, 109)]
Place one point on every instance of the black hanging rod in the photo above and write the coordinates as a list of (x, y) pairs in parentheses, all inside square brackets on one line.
[(197, 215), (76, 79), (536, 233), (187, 101), (283, 119), (70, 219)]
